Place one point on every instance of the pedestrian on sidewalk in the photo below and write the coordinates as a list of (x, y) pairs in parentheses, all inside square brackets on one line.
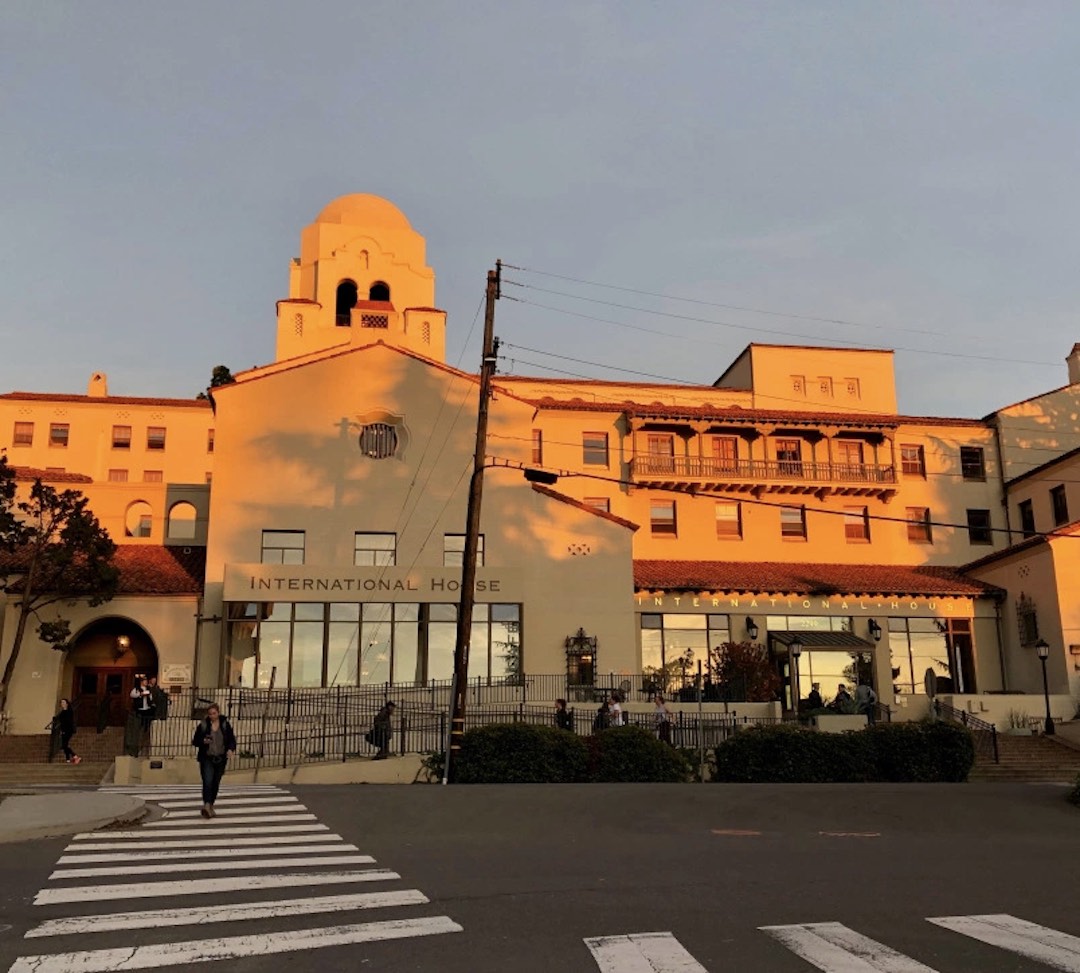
[(143, 701), (382, 730), (615, 710), (215, 742), (64, 724), (563, 719), (664, 718)]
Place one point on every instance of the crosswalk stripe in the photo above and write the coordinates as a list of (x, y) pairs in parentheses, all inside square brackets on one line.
[(835, 948), (208, 886), (233, 811), (650, 952), (186, 854), (205, 950), (218, 822), (201, 830), (134, 847), (254, 801), (225, 912), (247, 864), (1058, 950)]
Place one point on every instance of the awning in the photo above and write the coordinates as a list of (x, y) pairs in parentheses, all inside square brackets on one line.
[(839, 641)]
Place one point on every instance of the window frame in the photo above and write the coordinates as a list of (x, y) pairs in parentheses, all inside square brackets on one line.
[(1059, 505), (971, 471), (728, 535), (282, 548), (786, 533), (374, 551), (452, 552), (590, 452), (980, 534), (56, 442), (153, 476), (121, 442), (1025, 510), (662, 526), (856, 523), (916, 466), (22, 433), (155, 443), (117, 476), (538, 447), (210, 440), (919, 528)]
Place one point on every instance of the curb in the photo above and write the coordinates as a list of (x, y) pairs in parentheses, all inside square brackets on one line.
[(133, 813)]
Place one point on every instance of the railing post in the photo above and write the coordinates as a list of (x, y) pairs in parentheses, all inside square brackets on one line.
[(994, 740)]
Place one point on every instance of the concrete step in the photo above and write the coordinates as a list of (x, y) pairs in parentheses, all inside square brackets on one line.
[(20, 774)]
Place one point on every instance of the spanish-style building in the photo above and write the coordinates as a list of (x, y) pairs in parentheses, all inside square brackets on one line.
[(306, 524)]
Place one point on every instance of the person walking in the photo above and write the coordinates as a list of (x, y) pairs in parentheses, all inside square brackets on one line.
[(143, 701), (382, 730), (159, 699), (865, 701), (64, 724), (214, 742), (563, 718), (664, 718), (615, 710)]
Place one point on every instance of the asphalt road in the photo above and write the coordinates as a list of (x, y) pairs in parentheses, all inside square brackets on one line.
[(530, 873)]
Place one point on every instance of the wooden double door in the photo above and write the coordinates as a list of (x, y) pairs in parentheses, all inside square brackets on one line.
[(101, 696)]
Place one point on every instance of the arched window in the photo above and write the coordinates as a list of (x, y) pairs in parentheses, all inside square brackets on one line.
[(138, 520), (379, 291), (182, 521), (346, 301)]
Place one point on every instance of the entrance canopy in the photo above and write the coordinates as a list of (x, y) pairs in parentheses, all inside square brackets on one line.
[(839, 641)]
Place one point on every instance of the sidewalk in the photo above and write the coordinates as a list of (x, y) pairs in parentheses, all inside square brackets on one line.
[(26, 816)]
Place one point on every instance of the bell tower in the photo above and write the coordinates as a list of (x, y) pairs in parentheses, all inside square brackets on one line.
[(361, 277)]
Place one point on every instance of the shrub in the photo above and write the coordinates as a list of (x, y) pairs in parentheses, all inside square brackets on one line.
[(521, 753), (885, 752), (633, 755)]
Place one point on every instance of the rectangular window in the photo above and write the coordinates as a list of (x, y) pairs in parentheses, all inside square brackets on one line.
[(849, 452), (209, 440), (121, 437), (913, 460), (725, 453), (153, 476), (1027, 518), (972, 463), (1060, 505), (856, 524), (594, 448), (58, 434), (24, 434), (662, 518), (603, 504), (793, 523), (538, 447), (918, 527), (374, 550), (118, 476), (155, 437), (282, 547), (789, 457), (661, 448), (978, 522), (454, 551), (728, 519)]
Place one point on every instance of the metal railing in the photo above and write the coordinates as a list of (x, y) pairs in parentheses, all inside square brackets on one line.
[(688, 467), (984, 734)]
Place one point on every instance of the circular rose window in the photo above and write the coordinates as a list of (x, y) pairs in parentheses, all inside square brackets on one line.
[(379, 440)]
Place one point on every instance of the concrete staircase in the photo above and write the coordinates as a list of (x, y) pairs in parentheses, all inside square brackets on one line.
[(14, 777), (1032, 759), (92, 746)]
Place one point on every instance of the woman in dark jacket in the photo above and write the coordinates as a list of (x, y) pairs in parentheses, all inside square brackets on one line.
[(64, 724), (215, 742), (563, 719), (381, 731)]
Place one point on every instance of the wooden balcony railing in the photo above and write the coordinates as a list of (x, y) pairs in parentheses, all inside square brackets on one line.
[(689, 468)]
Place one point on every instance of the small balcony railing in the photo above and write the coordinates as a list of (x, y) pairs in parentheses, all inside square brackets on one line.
[(690, 468)]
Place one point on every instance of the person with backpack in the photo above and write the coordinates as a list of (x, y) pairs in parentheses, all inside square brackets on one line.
[(214, 742)]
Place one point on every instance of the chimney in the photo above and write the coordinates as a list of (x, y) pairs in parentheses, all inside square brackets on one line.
[(99, 383)]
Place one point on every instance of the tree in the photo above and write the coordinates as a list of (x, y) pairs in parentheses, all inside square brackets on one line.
[(221, 375), (745, 670), (53, 550)]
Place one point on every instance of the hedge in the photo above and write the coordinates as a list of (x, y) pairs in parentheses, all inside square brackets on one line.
[(787, 753), (524, 753)]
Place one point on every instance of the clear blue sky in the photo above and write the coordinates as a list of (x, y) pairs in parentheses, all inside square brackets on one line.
[(906, 166)]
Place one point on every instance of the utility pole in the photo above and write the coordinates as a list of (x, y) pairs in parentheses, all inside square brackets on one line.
[(472, 525)]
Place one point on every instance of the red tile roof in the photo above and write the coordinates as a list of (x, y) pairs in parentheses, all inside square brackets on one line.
[(147, 569), (768, 577), (29, 473), (102, 399), (563, 498)]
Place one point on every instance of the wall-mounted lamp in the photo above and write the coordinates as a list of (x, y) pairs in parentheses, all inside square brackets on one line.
[(751, 629), (875, 630), (123, 643)]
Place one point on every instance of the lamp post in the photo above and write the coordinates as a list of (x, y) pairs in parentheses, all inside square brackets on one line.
[(1043, 649), (796, 650)]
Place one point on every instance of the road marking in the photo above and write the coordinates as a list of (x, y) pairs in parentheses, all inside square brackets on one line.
[(1058, 950), (254, 801), (208, 886), (232, 811), (834, 948), (736, 833), (205, 950), (265, 829), (187, 854), (648, 952), (243, 865), (133, 847), (225, 912), (850, 834), (215, 822)]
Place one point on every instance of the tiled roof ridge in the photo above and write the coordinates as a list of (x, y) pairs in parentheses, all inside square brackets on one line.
[(101, 399), (146, 569), (25, 473), (563, 498)]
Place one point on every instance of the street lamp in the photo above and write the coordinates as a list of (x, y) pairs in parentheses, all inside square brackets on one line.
[(751, 629), (1043, 650), (796, 650), (875, 630)]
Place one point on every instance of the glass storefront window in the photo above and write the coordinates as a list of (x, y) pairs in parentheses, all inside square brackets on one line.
[(918, 644)]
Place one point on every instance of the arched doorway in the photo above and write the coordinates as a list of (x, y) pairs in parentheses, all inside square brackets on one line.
[(101, 668)]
